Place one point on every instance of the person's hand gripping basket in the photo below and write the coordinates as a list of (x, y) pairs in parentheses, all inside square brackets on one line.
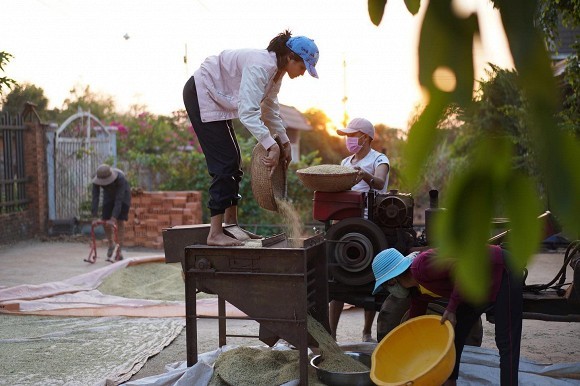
[(266, 188)]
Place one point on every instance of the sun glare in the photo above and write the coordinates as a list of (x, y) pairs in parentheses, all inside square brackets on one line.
[(374, 70)]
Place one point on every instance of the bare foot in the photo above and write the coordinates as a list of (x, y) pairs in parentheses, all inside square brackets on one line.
[(222, 240)]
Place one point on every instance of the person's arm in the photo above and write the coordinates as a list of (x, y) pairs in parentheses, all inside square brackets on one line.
[(271, 115), (377, 181), (378, 178), (273, 120), (252, 91), (119, 196), (381, 176), (95, 201)]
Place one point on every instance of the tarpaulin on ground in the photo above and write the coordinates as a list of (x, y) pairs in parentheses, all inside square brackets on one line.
[(479, 366), (78, 296), (44, 350)]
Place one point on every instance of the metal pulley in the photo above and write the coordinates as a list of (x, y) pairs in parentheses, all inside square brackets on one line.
[(352, 244)]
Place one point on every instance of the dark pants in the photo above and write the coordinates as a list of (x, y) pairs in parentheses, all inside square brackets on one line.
[(107, 211), (222, 154), (508, 328)]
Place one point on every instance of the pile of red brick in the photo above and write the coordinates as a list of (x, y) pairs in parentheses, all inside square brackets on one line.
[(151, 212)]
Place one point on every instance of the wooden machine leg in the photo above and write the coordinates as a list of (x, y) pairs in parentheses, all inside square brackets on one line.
[(222, 321), (191, 321)]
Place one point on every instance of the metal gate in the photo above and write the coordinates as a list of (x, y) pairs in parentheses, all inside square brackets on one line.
[(75, 150)]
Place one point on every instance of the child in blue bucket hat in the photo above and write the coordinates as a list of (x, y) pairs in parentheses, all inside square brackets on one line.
[(423, 279)]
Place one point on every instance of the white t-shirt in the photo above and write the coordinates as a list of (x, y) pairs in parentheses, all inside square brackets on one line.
[(369, 164)]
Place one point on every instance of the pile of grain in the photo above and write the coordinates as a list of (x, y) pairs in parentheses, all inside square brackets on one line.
[(327, 178), (327, 169), (253, 366), (265, 367), (333, 358)]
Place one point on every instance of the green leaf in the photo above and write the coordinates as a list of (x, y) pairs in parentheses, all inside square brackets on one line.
[(446, 41), (472, 274), (559, 155), (413, 6), (376, 10), (422, 138), (522, 208), (462, 232)]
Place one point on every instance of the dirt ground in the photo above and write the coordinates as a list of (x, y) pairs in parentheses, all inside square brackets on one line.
[(37, 261)]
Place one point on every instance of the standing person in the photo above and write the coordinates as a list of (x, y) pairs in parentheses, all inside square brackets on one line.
[(116, 203), (399, 274), (373, 173), (242, 84)]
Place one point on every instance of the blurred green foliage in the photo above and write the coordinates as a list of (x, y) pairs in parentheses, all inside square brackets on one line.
[(14, 102), (515, 149), (5, 82)]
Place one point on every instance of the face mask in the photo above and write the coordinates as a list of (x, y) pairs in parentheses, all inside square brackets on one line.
[(398, 291), (352, 145)]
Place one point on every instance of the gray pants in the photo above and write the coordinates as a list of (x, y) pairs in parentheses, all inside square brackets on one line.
[(391, 314)]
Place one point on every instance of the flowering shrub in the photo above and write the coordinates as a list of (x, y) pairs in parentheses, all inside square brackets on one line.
[(163, 153)]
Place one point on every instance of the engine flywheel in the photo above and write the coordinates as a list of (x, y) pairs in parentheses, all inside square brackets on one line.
[(352, 244)]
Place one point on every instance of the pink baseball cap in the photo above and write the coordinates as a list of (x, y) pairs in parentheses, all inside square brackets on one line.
[(356, 125)]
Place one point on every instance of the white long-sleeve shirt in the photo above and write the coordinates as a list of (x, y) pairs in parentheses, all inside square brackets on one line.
[(240, 84)]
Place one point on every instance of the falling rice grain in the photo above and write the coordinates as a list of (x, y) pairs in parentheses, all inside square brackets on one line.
[(333, 358), (291, 218)]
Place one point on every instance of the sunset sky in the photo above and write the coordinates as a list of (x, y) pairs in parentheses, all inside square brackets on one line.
[(133, 50)]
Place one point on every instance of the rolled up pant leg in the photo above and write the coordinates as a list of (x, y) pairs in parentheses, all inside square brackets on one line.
[(222, 153)]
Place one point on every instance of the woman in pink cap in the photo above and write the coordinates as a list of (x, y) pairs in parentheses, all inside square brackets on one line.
[(242, 84), (373, 174)]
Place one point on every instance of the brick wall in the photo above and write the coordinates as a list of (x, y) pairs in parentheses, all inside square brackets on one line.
[(31, 221), (151, 212)]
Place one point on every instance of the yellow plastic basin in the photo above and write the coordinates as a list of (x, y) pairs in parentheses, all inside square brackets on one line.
[(417, 352)]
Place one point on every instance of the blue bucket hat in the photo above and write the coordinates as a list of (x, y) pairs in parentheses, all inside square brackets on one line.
[(307, 50), (389, 264)]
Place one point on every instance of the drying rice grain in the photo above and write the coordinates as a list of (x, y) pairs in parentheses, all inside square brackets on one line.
[(153, 281), (252, 243), (254, 366), (327, 169)]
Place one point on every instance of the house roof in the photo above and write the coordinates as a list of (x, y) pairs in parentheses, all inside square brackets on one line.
[(564, 46), (293, 119), (559, 67)]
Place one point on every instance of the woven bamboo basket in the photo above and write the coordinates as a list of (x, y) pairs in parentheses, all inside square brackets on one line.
[(327, 178), (265, 188)]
